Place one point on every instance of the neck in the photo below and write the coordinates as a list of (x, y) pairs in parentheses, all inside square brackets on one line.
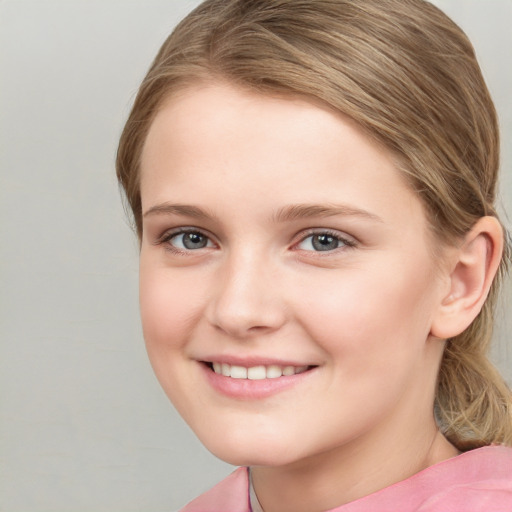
[(354, 470)]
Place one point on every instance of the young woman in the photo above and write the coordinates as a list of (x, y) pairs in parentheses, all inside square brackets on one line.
[(313, 185)]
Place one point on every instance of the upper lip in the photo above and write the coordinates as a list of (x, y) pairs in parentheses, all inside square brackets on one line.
[(251, 361)]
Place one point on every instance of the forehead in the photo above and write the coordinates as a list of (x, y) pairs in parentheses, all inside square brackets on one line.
[(231, 141), (213, 106)]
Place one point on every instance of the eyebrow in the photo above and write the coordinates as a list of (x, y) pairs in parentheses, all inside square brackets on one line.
[(285, 214), (305, 211), (185, 210)]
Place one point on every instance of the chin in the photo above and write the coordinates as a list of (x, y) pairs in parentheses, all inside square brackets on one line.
[(251, 457), (248, 450)]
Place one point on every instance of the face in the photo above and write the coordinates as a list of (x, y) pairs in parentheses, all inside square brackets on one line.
[(287, 286)]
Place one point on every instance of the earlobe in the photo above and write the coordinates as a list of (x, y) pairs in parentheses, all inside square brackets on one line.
[(474, 265)]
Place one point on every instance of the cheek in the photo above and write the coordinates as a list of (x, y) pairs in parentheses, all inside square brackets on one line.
[(368, 316), (170, 304)]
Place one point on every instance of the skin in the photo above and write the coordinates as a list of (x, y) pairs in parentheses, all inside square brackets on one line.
[(362, 314)]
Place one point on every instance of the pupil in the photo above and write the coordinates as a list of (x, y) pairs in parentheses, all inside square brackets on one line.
[(194, 241), (324, 242)]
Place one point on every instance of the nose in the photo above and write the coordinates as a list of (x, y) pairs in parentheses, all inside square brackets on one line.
[(247, 299)]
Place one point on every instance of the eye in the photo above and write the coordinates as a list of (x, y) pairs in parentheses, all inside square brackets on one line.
[(322, 242), (189, 240)]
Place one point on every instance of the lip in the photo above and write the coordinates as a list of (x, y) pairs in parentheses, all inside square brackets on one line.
[(253, 361), (246, 389)]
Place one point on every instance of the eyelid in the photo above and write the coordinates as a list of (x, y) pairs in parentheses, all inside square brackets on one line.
[(347, 240), (167, 235)]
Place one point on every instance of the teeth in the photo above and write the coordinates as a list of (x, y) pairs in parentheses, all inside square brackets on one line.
[(226, 370), (288, 370), (238, 372), (273, 372), (257, 372)]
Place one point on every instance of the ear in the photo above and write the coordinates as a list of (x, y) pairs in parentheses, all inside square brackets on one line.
[(474, 266)]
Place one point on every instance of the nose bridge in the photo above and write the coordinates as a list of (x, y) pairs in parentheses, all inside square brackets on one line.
[(246, 300)]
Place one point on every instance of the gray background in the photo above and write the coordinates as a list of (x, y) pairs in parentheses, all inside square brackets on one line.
[(84, 425)]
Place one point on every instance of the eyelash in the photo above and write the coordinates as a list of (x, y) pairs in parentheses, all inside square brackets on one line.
[(166, 238), (345, 242)]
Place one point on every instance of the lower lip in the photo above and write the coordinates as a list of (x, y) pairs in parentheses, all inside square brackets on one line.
[(247, 389)]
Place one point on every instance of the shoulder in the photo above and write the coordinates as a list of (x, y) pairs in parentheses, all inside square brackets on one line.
[(476, 481), (230, 495)]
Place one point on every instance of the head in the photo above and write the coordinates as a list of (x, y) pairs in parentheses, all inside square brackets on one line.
[(407, 76)]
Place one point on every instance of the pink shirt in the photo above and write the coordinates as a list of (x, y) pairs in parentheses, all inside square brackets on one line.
[(475, 481)]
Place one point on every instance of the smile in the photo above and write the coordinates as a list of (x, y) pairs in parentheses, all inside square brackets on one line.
[(253, 379), (259, 372)]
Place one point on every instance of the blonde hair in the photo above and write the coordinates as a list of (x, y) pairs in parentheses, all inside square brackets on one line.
[(408, 75)]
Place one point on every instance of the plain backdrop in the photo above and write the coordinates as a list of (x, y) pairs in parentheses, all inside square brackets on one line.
[(84, 425)]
